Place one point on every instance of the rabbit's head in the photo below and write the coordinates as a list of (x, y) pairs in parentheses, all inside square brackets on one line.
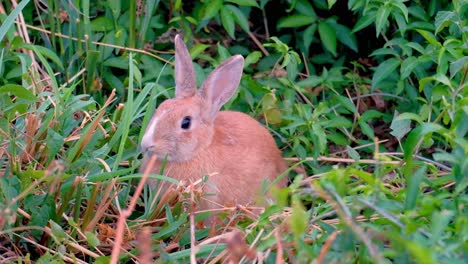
[(183, 126)]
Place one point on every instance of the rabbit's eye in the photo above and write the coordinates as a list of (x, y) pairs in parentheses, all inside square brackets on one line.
[(185, 122)]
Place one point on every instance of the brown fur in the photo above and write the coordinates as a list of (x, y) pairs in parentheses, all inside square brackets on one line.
[(236, 150)]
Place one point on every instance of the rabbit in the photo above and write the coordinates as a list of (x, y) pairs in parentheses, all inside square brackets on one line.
[(195, 138)]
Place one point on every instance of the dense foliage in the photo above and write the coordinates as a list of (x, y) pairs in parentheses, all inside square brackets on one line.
[(368, 100)]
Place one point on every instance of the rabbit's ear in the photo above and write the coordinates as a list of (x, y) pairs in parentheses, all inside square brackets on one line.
[(186, 85), (221, 84)]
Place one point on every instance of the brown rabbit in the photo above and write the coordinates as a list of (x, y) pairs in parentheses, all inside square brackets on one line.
[(198, 139)]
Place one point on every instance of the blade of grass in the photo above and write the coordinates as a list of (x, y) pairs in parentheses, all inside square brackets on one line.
[(11, 18), (127, 115)]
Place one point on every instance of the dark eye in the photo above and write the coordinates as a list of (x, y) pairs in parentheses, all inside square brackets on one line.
[(186, 122)]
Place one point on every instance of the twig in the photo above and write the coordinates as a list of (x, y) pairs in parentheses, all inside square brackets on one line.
[(127, 212), (345, 215), (326, 247), (258, 43), (193, 248), (362, 161), (279, 251), (102, 44)]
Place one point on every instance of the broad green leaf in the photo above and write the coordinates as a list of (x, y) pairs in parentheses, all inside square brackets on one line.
[(401, 7), (366, 129), (428, 36), (319, 132), (418, 134), (298, 219), (212, 8), (381, 19), (409, 116), (400, 127), (311, 81), (228, 21), (344, 35), (102, 23), (440, 221), (57, 231), (92, 239), (295, 20), (244, 2), (331, 3), (46, 53), (458, 65), (115, 7), (353, 153), (240, 18), (384, 70), (413, 191), (444, 19), (347, 103), (197, 49), (328, 37), (308, 35), (304, 7), (364, 21), (407, 67), (252, 58), (19, 91)]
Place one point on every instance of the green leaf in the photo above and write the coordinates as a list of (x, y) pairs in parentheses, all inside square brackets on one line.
[(308, 35), (212, 8), (412, 191), (331, 3), (418, 134), (46, 53), (252, 58), (240, 18), (92, 239), (19, 91), (228, 21), (407, 67), (102, 23), (347, 103), (440, 221), (444, 19), (244, 2), (311, 81), (57, 231), (197, 49), (409, 116), (11, 19), (298, 219), (458, 65), (344, 35), (353, 153), (384, 70), (295, 20), (382, 19), (366, 129), (364, 21), (401, 7), (115, 7), (328, 37), (428, 36), (400, 127), (304, 7)]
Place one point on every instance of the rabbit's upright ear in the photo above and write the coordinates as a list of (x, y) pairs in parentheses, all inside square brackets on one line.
[(186, 84), (221, 84)]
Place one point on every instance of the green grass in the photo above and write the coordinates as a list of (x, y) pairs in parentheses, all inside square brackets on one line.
[(370, 112)]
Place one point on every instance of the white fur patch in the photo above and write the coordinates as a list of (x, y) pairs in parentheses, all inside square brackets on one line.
[(148, 137)]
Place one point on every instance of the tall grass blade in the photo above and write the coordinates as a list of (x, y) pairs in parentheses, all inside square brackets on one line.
[(11, 18)]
